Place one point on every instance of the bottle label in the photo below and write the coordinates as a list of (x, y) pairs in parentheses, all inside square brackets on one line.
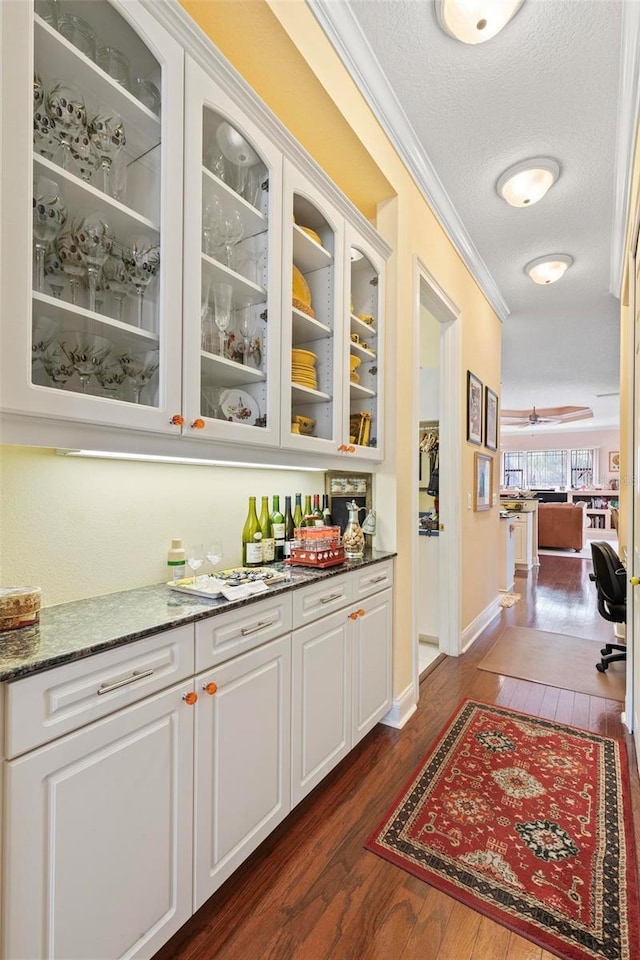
[(254, 553), (287, 548), (268, 549), (278, 531), (177, 569)]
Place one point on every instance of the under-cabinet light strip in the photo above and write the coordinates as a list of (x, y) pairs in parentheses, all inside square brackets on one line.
[(153, 458)]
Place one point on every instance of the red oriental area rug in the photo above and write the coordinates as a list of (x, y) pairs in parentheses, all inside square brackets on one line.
[(529, 822)]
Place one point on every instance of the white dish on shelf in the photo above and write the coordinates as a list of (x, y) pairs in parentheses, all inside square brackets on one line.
[(239, 406)]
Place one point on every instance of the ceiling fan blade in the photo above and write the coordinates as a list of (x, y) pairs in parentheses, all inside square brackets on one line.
[(565, 413)]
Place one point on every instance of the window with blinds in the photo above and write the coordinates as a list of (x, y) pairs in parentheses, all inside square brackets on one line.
[(583, 468), (547, 468)]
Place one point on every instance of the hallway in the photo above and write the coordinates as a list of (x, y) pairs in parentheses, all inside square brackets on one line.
[(311, 892)]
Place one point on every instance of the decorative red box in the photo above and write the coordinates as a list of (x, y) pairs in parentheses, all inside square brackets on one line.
[(319, 559)]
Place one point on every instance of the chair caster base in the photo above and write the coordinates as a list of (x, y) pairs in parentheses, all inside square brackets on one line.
[(601, 667)]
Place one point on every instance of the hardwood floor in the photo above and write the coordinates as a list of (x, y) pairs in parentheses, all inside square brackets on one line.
[(311, 892)]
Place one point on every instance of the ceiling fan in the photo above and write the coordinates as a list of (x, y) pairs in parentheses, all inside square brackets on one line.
[(531, 418)]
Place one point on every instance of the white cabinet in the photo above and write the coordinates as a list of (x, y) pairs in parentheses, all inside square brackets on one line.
[(523, 540), (341, 685), (112, 358), (242, 788), (98, 836)]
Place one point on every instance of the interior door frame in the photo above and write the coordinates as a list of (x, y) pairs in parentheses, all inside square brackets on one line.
[(631, 465), (428, 291)]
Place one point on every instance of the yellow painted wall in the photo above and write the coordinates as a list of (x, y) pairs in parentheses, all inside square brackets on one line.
[(296, 71)]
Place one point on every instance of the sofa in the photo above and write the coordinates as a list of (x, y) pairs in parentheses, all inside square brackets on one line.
[(561, 525)]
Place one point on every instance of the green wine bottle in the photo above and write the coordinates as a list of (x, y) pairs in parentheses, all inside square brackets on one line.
[(307, 515), (297, 512), (277, 528), (268, 543), (289, 525), (252, 538)]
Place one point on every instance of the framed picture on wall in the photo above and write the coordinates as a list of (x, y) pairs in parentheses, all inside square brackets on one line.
[(614, 461), (490, 419), (474, 409), (483, 487)]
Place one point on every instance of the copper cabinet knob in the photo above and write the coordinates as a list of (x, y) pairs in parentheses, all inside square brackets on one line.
[(190, 698), (210, 688)]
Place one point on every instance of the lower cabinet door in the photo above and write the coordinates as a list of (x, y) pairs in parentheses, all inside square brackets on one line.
[(242, 776), (371, 688), (320, 702), (99, 837)]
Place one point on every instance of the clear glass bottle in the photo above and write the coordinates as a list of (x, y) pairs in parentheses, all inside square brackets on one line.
[(353, 537)]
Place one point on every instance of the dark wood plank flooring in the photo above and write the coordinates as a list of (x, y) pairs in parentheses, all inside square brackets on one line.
[(311, 892)]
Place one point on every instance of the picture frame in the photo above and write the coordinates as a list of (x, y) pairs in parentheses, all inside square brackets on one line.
[(474, 409), (614, 461), (343, 486), (490, 419), (483, 486)]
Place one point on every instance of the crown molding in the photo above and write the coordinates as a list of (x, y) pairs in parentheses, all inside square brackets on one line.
[(627, 127), (174, 18), (344, 33)]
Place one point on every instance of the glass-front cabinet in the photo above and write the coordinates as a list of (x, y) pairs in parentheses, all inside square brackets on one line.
[(92, 278), (232, 299)]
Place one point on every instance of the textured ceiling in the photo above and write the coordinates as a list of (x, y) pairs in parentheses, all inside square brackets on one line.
[(546, 86)]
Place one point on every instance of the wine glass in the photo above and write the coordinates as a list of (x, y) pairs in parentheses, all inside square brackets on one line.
[(44, 129), (231, 232), (250, 254), (214, 552), (84, 155), (49, 214), (238, 152), (95, 242), (114, 272), (106, 133), (53, 271), (195, 557), (246, 328), (56, 365), (111, 377), (45, 331), (140, 368), (142, 263), (65, 106), (222, 294), (71, 258), (86, 353), (211, 221)]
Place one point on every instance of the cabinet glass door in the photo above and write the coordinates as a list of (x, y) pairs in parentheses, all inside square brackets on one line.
[(232, 223), (312, 344), (103, 326), (365, 374)]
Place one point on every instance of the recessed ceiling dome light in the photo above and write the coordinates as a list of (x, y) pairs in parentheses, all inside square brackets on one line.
[(475, 21), (550, 268), (527, 182)]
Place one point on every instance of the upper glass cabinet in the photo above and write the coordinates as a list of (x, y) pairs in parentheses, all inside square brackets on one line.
[(103, 323), (232, 289)]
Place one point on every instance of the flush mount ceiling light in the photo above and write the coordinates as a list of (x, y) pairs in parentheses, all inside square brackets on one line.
[(475, 21), (525, 183), (550, 268)]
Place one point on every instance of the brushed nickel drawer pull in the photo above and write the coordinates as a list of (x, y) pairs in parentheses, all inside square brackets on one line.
[(378, 579), (245, 631), (108, 687), (329, 599)]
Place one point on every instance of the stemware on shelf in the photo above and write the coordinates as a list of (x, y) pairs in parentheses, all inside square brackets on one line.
[(249, 256), (253, 190), (45, 332), (231, 233), (86, 352), (72, 261), (195, 557), (147, 93), (78, 32), (238, 152), (53, 271), (95, 242), (211, 223), (115, 64), (57, 366), (247, 329), (65, 106), (206, 320), (115, 276), (142, 263), (49, 10), (45, 138), (106, 133), (84, 156), (111, 377), (49, 215), (222, 294), (140, 368)]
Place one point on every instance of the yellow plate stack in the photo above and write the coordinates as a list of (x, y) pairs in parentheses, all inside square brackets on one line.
[(303, 368)]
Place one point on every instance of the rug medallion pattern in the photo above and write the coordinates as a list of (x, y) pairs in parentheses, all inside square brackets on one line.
[(529, 822)]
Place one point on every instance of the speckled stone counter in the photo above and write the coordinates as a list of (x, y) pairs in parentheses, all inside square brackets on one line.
[(75, 630)]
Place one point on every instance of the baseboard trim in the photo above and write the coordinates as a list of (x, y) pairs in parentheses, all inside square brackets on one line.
[(402, 708), (475, 628)]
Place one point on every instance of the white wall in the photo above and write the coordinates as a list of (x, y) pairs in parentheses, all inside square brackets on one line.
[(532, 439), (81, 528)]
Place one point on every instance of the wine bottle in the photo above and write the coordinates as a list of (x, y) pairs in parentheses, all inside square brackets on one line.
[(252, 538), (277, 528), (289, 525), (268, 543), (326, 511), (317, 512), (307, 514), (297, 512)]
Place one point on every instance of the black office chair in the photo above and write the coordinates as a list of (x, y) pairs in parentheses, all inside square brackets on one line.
[(610, 578)]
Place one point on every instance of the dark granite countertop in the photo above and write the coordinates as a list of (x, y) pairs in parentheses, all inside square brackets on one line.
[(74, 630)]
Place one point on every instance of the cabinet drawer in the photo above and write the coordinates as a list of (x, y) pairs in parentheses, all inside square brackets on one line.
[(323, 598), (372, 579), (242, 629), (49, 704)]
